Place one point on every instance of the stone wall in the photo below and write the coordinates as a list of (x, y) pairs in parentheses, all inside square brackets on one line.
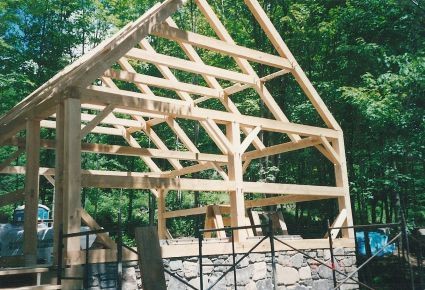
[(293, 271)]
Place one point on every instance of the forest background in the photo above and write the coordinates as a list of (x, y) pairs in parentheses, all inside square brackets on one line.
[(365, 57)]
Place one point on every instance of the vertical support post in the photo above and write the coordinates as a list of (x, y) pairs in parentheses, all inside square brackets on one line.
[(162, 227), (235, 172), (72, 172), (31, 191), (58, 198), (341, 180)]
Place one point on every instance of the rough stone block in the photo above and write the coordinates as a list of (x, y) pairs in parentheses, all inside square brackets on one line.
[(286, 275), (176, 265), (260, 271), (305, 273), (297, 260), (190, 269)]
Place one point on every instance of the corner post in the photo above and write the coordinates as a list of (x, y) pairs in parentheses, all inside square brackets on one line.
[(31, 191), (235, 172), (72, 172), (341, 179)]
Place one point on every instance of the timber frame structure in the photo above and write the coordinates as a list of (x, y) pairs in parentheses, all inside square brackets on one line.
[(91, 84)]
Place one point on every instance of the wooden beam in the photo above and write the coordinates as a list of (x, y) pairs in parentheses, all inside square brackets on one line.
[(334, 156), (172, 33), (338, 222), (248, 140), (191, 169), (163, 83), (185, 212), (282, 200), (189, 66), (296, 189), (281, 148), (12, 197), (180, 109), (31, 191), (12, 157), (102, 181), (134, 151), (93, 225), (97, 130), (218, 221), (96, 120)]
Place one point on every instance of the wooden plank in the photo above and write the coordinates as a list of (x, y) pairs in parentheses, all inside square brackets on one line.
[(180, 109), (198, 40), (189, 66), (96, 120), (31, 191), (12, 157), (12, 197), (150, 260), (163, 83), (256, 221)]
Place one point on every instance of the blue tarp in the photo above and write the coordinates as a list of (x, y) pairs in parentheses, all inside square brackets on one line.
[(377, 241)]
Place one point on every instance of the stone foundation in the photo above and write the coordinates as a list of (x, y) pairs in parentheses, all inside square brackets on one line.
[(293, 271)]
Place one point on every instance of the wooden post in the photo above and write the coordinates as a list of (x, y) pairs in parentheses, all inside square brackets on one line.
[(31, 191), (162, 227), (237, 202), (341, 177), (72, 172), (59, 171)]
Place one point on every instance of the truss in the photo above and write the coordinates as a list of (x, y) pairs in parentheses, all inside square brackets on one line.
[(88, 97)]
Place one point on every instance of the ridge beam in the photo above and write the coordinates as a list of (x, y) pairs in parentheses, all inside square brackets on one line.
[(226, 48)]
